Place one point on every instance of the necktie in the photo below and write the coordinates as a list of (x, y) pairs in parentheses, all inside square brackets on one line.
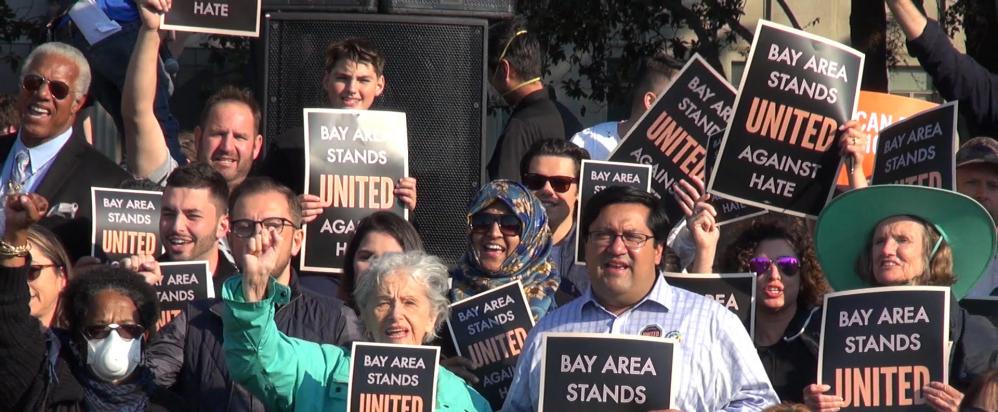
[(19, 175)]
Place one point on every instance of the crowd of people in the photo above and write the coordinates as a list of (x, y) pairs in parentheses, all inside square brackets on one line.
[(77, 333)]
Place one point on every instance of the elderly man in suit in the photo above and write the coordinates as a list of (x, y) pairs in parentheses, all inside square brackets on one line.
[(47, 156)]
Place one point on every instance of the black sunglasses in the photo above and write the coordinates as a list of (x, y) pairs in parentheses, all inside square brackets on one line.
[(509, 225), (788, 265), (127, 331), (560, 184), (34, 271), (58, 89)]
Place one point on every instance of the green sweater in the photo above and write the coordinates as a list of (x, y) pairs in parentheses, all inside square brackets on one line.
[(293, 374)]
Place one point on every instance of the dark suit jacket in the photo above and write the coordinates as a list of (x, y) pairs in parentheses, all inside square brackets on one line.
[(76, 168)]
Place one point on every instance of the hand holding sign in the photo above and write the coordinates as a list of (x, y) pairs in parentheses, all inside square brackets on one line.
[(852, 147), (151, 11), (260, 261), (703, 226), (942, 397), (145, 265)]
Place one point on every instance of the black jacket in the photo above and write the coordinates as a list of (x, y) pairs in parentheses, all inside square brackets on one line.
[(187, 355), (75, 169), (536, 117), (958, 77), (33, 377)]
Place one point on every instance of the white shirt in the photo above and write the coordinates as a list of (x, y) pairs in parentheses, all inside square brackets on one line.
[(600, 140)]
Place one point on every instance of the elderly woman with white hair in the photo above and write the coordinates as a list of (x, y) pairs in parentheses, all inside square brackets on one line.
[(401, 299)]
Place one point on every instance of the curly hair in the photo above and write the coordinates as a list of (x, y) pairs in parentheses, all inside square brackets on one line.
[(813, 283), (81, 291), (938, 268)]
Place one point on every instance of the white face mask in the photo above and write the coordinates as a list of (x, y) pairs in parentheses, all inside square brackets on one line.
[(113, 358)]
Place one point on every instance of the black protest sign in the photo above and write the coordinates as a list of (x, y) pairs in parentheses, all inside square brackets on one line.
[(182, 283), (728, 211), (734, 291), (392, 378), (596, 175), (780, 151), (489, 329), (583, 372), (986, 306), (229, 17), (125, 223), (672, 135), (354, 159), (881, 346), (919, 150)]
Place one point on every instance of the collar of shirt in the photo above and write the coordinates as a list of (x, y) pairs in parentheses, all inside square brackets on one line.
[(42, 154), (661, 294)]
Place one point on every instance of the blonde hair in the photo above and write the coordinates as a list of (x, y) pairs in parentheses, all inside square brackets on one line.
[(938, 267)]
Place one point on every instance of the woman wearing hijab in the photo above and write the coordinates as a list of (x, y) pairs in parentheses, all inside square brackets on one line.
[(508, 240)]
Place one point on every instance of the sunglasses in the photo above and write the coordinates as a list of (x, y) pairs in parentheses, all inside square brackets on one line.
[(58, 89), (34, 271), (788, 265), (509, 225), (128, 331), (560, 184)]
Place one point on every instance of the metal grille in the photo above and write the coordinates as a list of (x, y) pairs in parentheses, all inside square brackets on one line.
[(476, 8), (368, 6), (435, 73)]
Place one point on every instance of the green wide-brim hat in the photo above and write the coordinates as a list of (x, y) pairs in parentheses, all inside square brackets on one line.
[(846, 226)]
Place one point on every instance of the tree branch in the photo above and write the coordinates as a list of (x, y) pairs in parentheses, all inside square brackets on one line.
[(789, 13)]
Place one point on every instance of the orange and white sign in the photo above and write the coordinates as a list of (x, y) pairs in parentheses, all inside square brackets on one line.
[(876, 111)]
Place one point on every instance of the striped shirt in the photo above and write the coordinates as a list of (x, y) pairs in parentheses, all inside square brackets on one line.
[(718, 367)]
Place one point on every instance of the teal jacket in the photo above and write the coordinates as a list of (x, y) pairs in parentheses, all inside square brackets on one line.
[(293, 374)]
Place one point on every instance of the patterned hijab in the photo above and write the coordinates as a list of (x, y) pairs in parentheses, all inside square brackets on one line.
[(529, 263)]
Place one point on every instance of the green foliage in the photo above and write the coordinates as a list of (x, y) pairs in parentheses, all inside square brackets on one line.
[(15, 28), (587, 34)]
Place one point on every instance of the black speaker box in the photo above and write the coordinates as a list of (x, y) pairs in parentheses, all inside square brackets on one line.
[(359, 6), (435, 73), (495, 9)]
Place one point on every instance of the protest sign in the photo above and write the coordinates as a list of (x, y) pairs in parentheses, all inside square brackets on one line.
[(125, 223), (881, 346), (583, 372), (596, 175), (392, 378), (734, 291), (986, 306), (229, 17), (780, 150), (919, 150), (354, 159), (182, 283), (875, 112), (489, 329), (728, 211), (672, 135)]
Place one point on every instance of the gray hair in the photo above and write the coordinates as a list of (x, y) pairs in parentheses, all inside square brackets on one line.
[(68, 52), (424, 269)]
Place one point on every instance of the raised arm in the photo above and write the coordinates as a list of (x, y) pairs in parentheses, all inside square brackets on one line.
[(22, 343), (957, 76), (277, 369), (145, 145)]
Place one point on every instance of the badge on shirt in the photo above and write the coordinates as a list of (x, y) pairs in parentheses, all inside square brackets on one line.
[(652, 330), (674, 335)]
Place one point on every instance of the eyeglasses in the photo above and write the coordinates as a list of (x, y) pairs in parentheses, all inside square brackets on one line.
[(788, 265), (509, 225), (34, 271), (560, 184), (127, 331), (632, 240), (58, 89), (245, 228)]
